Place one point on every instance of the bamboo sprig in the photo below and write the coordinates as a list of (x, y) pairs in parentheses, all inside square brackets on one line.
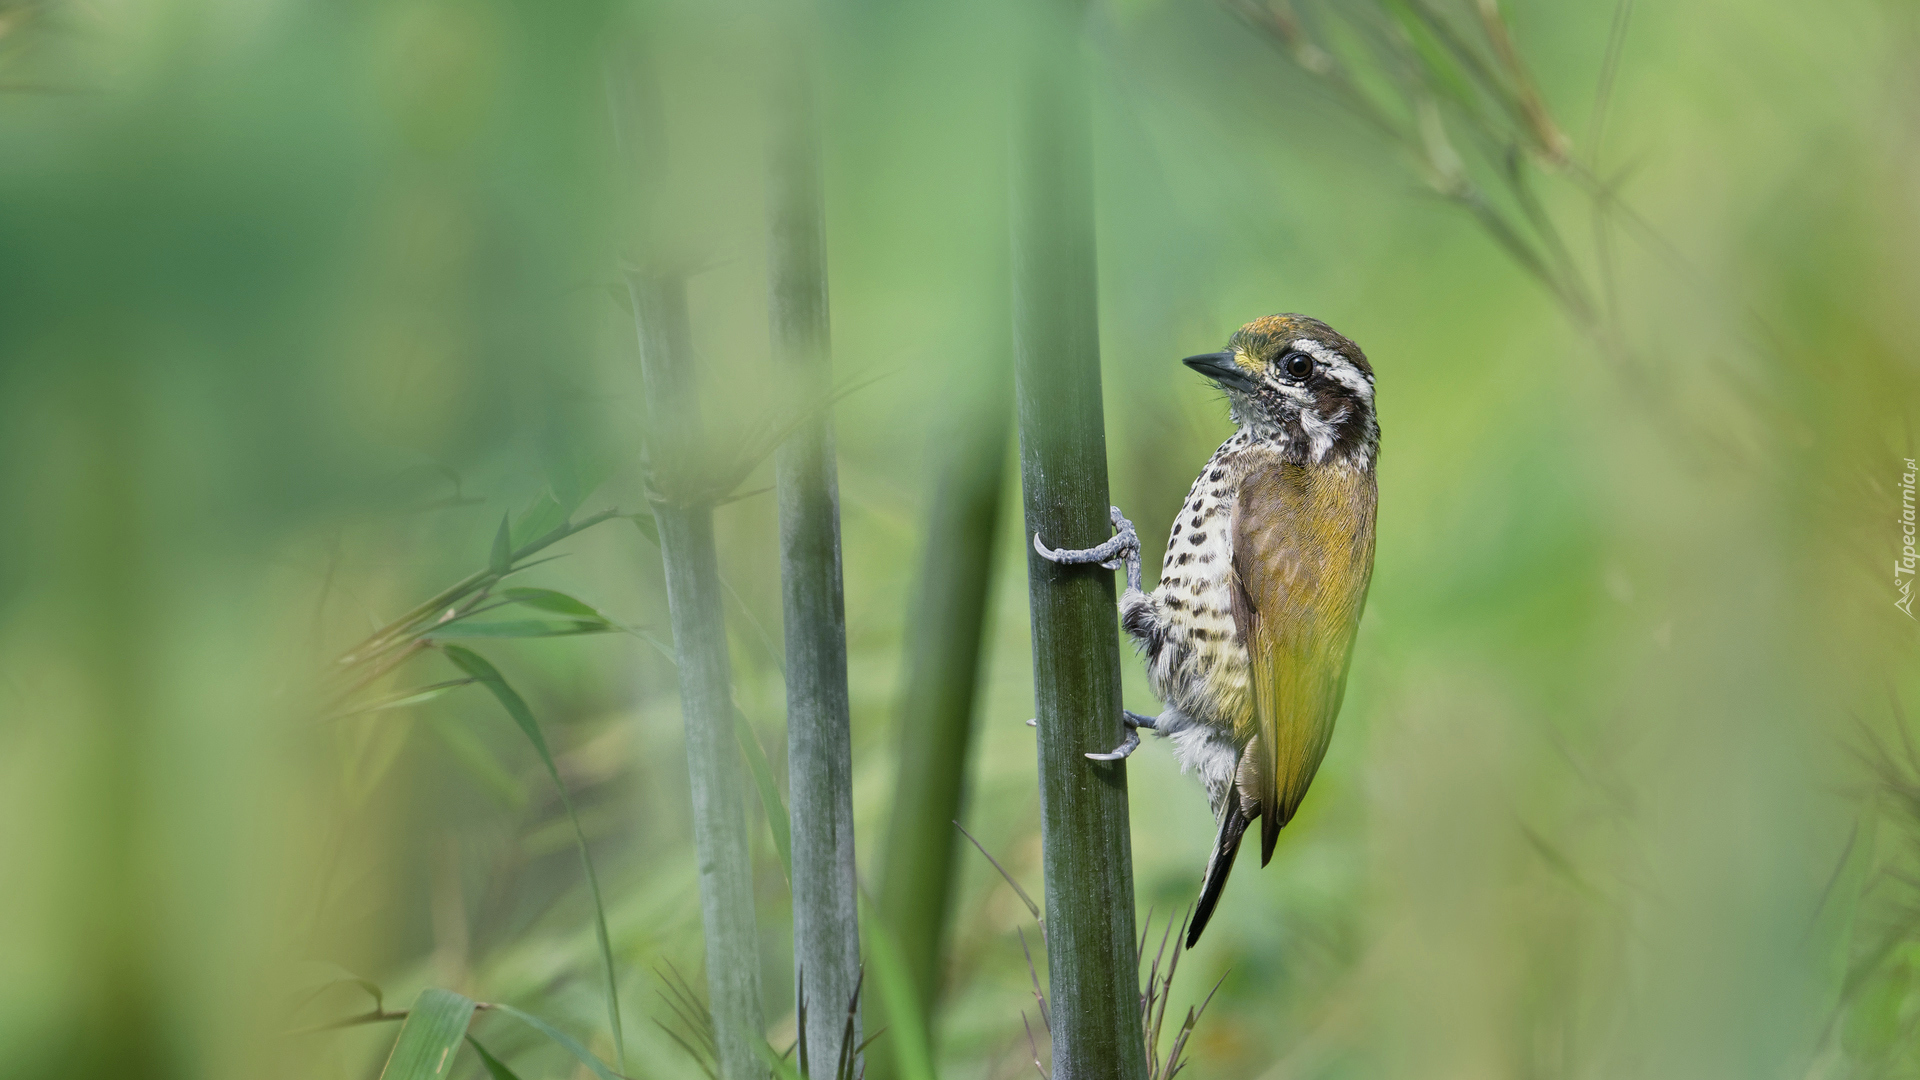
[(1445, 82), (1157, 989), (414, 634), (1156, 995), (458, 599), (1446, 73), (1878, 912), (438, 1022)]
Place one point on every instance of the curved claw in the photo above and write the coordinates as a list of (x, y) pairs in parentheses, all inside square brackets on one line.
[(1128, 746), (1108, 554), (1134, 722)]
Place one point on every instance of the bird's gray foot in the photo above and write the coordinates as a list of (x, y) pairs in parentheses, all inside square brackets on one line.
[(1122, 550), (1134, 722)]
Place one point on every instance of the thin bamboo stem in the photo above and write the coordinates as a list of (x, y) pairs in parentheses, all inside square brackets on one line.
[(1087, 850), (826, 929), (674, 438)]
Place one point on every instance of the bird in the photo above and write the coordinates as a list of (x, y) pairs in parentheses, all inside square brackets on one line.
[(1249, 634)]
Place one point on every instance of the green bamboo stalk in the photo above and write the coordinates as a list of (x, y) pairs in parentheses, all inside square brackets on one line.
[(674, 442), (944, 655), (826, 928), (1087, 851)]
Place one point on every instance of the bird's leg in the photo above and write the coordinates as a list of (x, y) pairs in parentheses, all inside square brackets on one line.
[(1122, 550), (1139, 615), (1134, 722)]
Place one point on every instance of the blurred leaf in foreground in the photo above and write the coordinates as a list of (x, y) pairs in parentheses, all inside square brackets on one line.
[(432, 1032)]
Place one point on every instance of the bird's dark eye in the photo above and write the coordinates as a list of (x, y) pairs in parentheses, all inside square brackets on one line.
[(1297, 365)]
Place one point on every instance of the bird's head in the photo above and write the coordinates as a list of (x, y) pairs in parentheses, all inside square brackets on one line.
[(1295, 381)]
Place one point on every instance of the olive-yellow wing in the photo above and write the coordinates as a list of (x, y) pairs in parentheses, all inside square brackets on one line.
[(1302, 560)]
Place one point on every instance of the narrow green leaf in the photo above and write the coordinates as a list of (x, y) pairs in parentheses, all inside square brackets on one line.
[(489, 676), (663, 648), (890, 977), (509, 698), (502, 558), (521, 568), (567, 527), (495, 1067), (525, 628), (329, 975), (1032, 908), (567, 1042), (401, 699), (545, 515), (573, 475), (776, 808), (410, 624), (432, 1032), (555, 601)]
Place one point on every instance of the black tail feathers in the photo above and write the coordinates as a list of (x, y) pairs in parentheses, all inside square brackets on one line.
[(1270, 825), (1226, 845)]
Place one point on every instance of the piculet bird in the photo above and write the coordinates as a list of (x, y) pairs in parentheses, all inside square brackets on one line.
[(1249, 635)]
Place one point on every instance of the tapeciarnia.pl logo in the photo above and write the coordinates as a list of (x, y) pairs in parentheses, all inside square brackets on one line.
[(1903, 566)]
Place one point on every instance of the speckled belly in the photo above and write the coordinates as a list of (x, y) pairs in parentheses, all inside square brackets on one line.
[(1201, 667)]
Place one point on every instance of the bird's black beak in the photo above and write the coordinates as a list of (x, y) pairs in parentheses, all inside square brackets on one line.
[(1219, 367)]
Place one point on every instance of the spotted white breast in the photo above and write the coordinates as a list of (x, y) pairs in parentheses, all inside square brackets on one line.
[(1201, 666)]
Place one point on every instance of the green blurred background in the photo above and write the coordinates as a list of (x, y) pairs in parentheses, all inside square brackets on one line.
[(297, 299)]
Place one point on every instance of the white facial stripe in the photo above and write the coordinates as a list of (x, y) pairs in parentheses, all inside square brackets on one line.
[(1343, 372), (1320, 433), (1338, 367)]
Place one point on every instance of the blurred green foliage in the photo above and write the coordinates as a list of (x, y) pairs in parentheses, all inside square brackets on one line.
[(297, 299)]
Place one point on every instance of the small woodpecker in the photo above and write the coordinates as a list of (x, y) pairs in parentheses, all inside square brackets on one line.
[(1249, 634)]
